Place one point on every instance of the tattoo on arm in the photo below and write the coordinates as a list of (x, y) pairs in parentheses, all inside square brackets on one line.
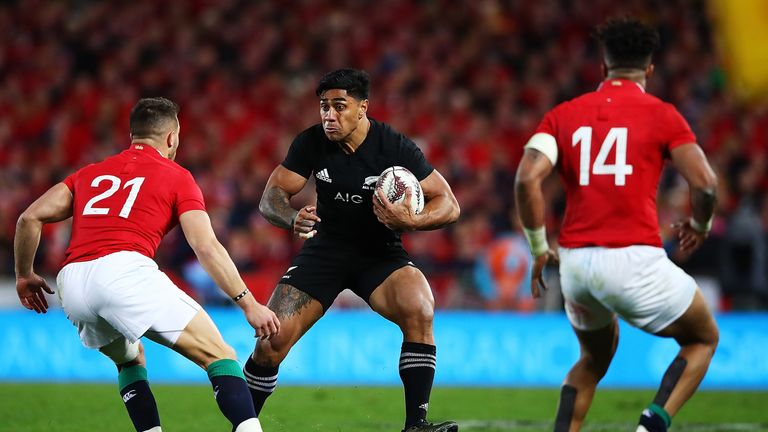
[(703, 203), (275, 206), (287, 301)]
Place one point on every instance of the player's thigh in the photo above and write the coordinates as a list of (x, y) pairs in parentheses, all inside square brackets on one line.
[(297, 312), (643, 286), (200, 341), (599, 344), (584, 311), (404, 294), (696, 325), (317, 274)]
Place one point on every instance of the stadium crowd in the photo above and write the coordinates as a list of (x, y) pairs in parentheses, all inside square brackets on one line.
[(467, 81)]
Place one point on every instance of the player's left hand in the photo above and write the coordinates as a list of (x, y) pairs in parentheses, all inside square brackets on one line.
[(689, 238), (397, 217), (537, 275), (30, 290)]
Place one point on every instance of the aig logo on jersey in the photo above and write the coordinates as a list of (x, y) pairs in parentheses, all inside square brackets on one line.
[(368, 184)]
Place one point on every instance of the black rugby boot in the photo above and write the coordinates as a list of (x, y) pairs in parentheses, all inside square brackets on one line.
[(448, 426)]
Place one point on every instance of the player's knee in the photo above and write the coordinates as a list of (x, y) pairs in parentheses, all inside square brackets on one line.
[(125, 353), (270, 353), (596, 365), (416, 313)]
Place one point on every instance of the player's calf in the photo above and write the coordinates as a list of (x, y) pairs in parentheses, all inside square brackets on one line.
[(231, 393)]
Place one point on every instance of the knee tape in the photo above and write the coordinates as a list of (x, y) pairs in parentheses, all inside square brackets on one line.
[(121, 351)]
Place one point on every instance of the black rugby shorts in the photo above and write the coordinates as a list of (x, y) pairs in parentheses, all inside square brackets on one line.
[(325, 267)]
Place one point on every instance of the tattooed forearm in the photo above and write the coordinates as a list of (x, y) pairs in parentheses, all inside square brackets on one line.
[(275, 206), (703, 203), (287, 301)]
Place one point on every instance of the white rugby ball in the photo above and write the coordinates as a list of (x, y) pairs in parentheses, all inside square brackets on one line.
[(393, 182)]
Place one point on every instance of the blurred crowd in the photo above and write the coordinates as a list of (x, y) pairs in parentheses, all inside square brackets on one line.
[(468, 81)]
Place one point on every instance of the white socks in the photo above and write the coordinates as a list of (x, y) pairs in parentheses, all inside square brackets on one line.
[(250, 425)]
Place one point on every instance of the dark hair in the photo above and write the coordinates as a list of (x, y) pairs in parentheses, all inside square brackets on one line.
[(356, 82), (628, 43), (150, 115)]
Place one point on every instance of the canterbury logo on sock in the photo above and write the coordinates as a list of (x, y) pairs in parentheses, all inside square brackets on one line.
[(128, 396)]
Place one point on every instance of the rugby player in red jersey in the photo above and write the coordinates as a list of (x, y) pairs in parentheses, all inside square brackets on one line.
[(110, 287), (609, 147)]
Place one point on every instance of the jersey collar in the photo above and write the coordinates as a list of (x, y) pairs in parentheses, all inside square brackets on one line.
[(147, 149), (619, 84)]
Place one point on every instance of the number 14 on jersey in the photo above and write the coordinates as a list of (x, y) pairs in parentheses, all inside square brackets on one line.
[(616, 136)]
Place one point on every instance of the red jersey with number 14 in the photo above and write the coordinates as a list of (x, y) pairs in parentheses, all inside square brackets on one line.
[(611, 145), (128, 202)]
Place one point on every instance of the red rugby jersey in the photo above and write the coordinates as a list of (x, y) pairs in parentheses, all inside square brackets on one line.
[(128, 202), (612, 144)]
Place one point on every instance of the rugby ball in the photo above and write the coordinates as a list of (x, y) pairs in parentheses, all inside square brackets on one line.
[(393, 182)]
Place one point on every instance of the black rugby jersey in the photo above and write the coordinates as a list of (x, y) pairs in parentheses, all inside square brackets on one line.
[(345, 182)]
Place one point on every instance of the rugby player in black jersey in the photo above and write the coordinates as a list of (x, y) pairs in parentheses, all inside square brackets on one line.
[(353, 239)]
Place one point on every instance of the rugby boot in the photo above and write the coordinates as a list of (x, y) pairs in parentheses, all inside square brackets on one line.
[(448, 426)]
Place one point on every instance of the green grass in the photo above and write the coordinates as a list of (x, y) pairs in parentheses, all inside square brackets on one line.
[(89, 407)]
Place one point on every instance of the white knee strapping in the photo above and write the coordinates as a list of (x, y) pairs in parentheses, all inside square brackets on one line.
[(121, 351), (250, 425), (154, 429)]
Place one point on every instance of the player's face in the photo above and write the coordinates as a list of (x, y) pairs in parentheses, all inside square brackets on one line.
[(340, 113)]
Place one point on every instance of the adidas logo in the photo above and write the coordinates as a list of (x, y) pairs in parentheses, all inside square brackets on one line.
[(424, 406), (323, 175)]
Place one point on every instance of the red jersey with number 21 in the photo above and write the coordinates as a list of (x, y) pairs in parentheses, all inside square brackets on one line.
[(611, 145), (128, 202)]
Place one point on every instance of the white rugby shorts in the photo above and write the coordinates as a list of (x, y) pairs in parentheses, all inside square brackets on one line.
[(638, 283), (123, 294)]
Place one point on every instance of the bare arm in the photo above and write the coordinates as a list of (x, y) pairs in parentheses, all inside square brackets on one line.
[(216, 261), (692, 164), (53, 206), (440, 207), (533, 169), (690, 160), (275, 204)]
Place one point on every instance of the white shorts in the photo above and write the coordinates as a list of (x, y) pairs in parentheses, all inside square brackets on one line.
[(639, 283), (123, 294)]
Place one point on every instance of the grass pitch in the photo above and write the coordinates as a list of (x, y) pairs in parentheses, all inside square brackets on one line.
[(89, 407)]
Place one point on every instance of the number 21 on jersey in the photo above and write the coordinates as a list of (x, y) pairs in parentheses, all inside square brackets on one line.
[(616, 136), (134, 183)]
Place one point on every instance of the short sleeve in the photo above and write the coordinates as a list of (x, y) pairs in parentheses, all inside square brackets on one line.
[(412, 157), (188, 195), (676, 130), (299, 159), (70, 182), (548, 124)]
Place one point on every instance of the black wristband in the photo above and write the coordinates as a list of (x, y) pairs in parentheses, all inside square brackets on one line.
[(240, 296)]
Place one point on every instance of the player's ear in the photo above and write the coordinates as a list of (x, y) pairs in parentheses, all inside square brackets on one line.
[(169, 139), (649, 70), (363, 108)]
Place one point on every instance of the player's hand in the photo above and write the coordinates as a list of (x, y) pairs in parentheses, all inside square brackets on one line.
[(688, 237), (264, 321), (30, 290), (537, 275), (304, 224), (397, 217)]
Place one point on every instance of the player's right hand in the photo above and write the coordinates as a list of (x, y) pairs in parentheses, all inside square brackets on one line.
[(690, 239), (264, 321), (537, 275), (30, 290), (304, 224)]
